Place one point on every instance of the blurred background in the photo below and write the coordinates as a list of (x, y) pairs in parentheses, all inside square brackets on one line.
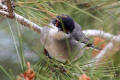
[(16, 40)]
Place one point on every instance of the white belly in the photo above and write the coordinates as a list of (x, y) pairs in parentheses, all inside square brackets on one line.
[(53, 46), (57, 51), (57, 47)]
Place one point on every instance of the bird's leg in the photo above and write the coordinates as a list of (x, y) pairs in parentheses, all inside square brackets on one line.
[(47, 54), (92, 46), (61, 68)]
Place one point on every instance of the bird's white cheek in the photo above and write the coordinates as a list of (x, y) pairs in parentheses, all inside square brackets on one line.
[(53, 30)]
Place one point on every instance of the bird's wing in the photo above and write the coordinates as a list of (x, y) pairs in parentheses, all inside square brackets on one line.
[(78, 34), (60, 35)]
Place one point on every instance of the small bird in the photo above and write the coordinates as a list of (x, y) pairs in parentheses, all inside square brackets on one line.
[(66, 24), (64, 40)]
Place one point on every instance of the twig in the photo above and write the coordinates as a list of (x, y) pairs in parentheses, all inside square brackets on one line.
[(4, 13), (28, 23), (93, 33), (21, 20), (3, 7), (111, 48), (10, 8)]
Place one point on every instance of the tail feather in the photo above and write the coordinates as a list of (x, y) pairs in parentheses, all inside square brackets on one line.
[(94, 47)]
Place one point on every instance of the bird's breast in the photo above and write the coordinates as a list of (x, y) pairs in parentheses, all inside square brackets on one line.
[(54, 44), (58, 46), (57, 50)]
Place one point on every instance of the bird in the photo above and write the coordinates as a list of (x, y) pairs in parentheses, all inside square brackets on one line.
[(68, 25), (64, 40)]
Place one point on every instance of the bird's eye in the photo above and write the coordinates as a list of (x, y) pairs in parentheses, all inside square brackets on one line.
[(57, 23)]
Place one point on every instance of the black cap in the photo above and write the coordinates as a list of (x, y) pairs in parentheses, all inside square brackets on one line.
[(64, 23)]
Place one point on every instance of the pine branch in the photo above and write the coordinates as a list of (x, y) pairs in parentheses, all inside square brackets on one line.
[(99, 33), (111, 48), (21, 19), (10, 8), (4, 13)]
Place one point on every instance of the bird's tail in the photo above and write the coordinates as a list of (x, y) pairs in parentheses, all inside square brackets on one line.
[(94, 47)]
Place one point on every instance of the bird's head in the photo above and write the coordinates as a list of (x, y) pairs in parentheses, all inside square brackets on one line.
[(64, 23)]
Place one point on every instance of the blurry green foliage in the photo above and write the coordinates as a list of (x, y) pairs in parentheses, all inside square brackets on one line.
[(90, 14)]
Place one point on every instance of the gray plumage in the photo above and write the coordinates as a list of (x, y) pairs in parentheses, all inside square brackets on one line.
[(55, 42), (65, 39), (78, 34)]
